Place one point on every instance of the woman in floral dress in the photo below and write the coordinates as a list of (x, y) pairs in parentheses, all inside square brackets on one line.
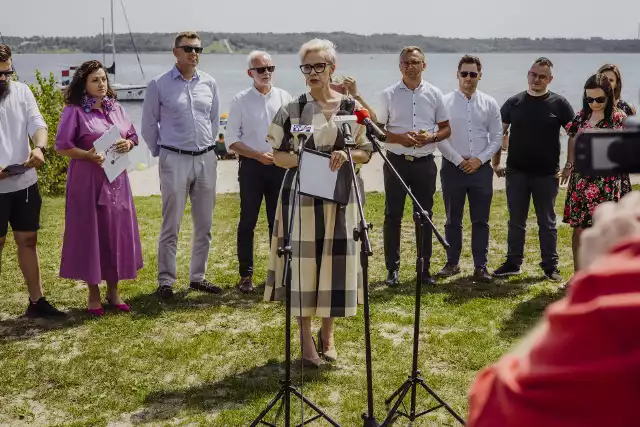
[(585, 193), (615, 78)]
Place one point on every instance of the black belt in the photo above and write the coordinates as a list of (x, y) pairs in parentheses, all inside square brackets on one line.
[(410, 158), (190, 153)]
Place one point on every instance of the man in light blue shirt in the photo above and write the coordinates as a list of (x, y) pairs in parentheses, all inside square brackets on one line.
[(180, 119), (476, 135)]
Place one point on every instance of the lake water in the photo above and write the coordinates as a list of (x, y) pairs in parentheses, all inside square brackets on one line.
[(503, 74)]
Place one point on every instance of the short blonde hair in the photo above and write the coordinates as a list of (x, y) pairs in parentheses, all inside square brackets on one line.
[(319, 45)]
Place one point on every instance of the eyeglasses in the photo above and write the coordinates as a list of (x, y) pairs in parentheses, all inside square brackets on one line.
[(7, 73), (261, 70), (189, 49), (464, 74), (318, 68), (599, 99), (407, 64), (535, 76)]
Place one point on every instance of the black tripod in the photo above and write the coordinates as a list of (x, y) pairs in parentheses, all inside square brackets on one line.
[(421, 218), (287, 388), (362, 233)]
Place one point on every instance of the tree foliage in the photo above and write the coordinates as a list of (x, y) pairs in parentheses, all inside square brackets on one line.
[(52, 176), (346, 42)]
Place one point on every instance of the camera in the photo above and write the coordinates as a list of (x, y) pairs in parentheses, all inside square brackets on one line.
[(600, 152)]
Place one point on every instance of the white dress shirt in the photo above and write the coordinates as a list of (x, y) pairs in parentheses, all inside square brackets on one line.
[(404, 110), (20, 118), (476, 127), (250, 115)]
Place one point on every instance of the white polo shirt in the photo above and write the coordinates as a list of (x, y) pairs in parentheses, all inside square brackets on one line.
[(476, 127), (250, 115), (404, 110), (20, 118)]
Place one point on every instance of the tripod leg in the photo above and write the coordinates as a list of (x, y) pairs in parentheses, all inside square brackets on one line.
[(268, 408), (315, 408), (403, 392), (395, 393), (441, 402)]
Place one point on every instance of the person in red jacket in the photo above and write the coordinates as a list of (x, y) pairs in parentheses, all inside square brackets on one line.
[(581, 365)]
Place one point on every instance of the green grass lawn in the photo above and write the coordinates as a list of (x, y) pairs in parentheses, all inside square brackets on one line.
[(216, 360)]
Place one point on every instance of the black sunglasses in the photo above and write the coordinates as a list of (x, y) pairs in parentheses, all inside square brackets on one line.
[(189, 49), (464, 74), (261, 70), (318, 68), (7, 73), (599, 99)]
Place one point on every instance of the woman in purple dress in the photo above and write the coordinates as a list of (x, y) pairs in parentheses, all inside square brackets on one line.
[(101, 238)]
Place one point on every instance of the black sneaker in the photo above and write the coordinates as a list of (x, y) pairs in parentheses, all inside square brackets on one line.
[(553, 275), (165, 292), (206, 286), (42, 308), (428, 279), (507, 269), (393, 279)]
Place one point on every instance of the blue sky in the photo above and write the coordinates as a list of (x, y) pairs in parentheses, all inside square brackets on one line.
[(445, 18)]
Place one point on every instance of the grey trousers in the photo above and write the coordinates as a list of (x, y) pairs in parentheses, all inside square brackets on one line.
[(521, 188), (183, 176), (456, 187)]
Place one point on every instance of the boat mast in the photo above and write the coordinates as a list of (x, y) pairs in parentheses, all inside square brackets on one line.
[(113, 43)]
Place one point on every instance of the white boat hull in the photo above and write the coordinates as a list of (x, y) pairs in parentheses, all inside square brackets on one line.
[(130, 92)]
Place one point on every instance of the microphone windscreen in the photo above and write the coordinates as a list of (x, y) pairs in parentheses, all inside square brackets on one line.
[(362, 114)]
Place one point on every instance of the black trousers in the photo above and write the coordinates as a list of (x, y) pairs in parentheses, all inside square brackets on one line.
[(456, 187), (521, 188), (420, 176), (257, 181)]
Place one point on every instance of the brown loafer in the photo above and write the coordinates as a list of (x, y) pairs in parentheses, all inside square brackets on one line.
[(449, 270), (480, 274), (246, 285)]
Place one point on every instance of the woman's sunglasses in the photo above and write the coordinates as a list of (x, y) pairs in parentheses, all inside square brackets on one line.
[(261, 70), (189, 49), (318, 68), (464, 74), (599, 99)]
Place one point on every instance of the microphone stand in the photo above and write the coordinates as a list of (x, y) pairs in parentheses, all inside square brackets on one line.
[(362, 233), (287, 388), (421, 219)]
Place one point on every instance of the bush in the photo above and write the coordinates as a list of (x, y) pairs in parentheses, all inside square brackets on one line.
[(52, 177)]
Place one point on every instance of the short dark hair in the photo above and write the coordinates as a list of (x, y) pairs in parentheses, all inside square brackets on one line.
[(191, 35), (76, 90), (469, 59), (543, 61), (615, 70), (5, 52)]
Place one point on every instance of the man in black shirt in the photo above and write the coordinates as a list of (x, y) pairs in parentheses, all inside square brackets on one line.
[(533, 119)]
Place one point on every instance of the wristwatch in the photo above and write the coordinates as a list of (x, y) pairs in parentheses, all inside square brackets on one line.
[(435, 137), (43, 149), (568, 165)]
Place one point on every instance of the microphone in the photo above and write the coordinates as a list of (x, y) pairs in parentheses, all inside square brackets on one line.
[(301, 133), (363, 119), (345, 121)]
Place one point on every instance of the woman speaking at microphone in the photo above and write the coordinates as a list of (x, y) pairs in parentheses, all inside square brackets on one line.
[(326, 274)]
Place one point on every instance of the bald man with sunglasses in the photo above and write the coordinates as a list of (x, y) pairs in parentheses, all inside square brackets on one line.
[(180, 120), (251, 112)]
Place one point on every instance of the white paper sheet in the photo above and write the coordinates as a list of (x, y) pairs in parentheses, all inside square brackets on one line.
[(114, 163), (316, 177)]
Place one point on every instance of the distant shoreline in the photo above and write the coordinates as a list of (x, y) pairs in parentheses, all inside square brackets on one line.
[(243, 43)]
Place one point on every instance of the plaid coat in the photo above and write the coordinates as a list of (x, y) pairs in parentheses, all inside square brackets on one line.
[(326, 273)]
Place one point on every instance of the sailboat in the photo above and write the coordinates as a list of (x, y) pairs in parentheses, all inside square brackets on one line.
[(124, 92)]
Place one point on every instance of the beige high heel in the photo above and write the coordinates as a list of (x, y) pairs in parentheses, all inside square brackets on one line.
[(314, 363), (330, 355)]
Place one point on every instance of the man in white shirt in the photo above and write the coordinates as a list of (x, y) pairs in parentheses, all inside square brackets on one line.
[(251, 112), (20, 200), (476, 135), (415, 118)]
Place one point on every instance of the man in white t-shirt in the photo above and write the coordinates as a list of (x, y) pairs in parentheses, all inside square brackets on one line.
[(20, 200), (251, 112), (415, 118)]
